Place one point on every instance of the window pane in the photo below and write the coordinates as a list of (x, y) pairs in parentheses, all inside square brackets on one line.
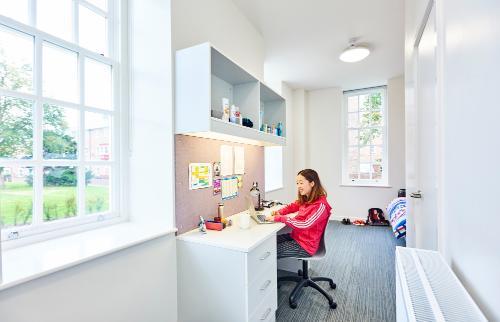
[(353, 137), (353, 168), (365, 136), (353, 154), (16, 60), (353, 121), (16, 195), (352, 104), (97, 189), (98, 90), (93, 31), (375, 101), (60, 132), (60, 73), (102, 4), (377, 171), (97, 136), (377, 154), (377, 137), (15, 9), (55, 17), (16, 128), (364, 154), (364, 171), (59, 192), (371, 118), (364, 103)]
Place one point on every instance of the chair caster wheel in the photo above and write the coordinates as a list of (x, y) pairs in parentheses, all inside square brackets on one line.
[(333, 306), (333, 285), (299, 272), (293, 305)]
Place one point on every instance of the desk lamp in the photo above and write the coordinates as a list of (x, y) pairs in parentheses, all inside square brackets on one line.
[(256, 193)]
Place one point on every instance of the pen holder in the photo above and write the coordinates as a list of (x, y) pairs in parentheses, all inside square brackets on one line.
[(244, 221)]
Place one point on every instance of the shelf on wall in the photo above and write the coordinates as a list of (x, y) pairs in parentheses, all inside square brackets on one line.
[(203, 77)]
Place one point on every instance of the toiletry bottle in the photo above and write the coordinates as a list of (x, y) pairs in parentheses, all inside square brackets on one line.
[(225, 109), (232, 115), (220, 211)]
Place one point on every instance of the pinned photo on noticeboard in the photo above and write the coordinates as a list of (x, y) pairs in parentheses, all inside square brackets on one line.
[(217, 169), (229, 188), (217, 186), (200, 175)]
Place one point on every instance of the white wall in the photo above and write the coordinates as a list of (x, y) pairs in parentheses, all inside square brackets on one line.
[(222, 24), (471, 77), (152, 145), (324, 150), (300, 148), (136, 284)]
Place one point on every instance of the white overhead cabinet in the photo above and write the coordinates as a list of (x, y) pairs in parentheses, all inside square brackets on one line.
[(205, 81)]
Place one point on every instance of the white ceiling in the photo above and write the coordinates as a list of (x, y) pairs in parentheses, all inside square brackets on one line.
[(305, 37)]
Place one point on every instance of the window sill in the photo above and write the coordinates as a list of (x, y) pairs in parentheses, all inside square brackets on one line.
[(33, 261), (365, 185)]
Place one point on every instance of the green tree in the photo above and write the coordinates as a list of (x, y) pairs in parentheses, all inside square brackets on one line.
[(371, 115), (16, 126), (16, 119)]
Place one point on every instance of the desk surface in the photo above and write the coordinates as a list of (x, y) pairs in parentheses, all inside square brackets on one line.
[(243, 240)]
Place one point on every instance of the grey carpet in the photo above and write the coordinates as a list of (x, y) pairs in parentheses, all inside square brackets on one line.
[(360, 260)]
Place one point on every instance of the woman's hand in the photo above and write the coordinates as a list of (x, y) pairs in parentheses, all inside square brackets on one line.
[(271, 216)]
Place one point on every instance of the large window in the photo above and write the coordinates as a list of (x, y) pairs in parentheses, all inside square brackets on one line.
[(365, 133), (59, 111)]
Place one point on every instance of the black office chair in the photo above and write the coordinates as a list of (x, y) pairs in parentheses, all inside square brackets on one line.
[(304, 280)]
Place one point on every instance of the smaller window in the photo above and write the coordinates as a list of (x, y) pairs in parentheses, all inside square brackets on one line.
[(365, 132), (273, 168)]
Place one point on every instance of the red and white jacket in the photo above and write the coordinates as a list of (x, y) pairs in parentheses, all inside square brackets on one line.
[(308, 225)]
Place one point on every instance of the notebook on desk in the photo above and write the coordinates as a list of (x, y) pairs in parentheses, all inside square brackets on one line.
[(258, 216)]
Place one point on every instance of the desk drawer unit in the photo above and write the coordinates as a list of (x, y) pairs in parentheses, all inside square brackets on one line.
[(265, 312), (263, 285), (262, 276), (261, 258)]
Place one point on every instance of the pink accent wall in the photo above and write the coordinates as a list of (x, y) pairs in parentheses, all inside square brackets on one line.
[(190, 204)]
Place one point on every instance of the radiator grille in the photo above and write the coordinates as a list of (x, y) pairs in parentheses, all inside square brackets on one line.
[(433, 290)]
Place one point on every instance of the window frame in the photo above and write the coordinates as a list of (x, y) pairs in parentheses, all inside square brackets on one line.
[(39, 229), (345, 180)]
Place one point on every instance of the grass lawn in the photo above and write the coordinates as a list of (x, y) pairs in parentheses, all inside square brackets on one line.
[(16, 201)]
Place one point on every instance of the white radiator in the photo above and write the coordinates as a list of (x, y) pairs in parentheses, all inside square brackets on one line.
[(428, 290)]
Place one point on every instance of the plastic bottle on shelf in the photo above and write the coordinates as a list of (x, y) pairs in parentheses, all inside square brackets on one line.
[(233, 116), (225, 109)]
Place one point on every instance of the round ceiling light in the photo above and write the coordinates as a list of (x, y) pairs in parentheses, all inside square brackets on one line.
[(354, 54)]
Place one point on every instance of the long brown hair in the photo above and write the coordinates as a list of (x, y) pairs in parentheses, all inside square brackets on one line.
[(317, 190)]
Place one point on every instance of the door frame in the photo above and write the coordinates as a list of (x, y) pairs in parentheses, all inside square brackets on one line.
[(437, 5)]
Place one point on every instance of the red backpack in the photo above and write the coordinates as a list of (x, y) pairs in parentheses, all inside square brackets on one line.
[(376, 217)]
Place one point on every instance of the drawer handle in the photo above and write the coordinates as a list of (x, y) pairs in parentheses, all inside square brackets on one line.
[(266, 285), (266, 255), (266, 314)]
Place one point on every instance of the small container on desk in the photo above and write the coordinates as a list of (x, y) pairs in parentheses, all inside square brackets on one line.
[(213, 225)]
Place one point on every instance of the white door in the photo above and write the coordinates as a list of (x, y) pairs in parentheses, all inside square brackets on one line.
[(422, 142)]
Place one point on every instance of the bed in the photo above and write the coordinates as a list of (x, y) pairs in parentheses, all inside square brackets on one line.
[(396, 210)]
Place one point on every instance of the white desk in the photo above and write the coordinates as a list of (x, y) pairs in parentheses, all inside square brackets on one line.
[(228, 275)]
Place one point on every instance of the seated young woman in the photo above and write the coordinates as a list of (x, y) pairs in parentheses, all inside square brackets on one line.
[(309, 223)]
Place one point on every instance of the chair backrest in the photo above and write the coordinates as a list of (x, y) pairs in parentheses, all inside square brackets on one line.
[(321, 252)]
